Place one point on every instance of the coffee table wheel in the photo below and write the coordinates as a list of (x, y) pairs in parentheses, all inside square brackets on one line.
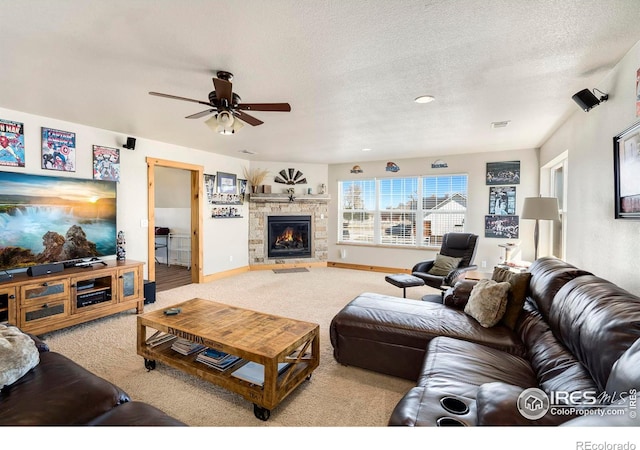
[(261, 413), (308, 377), (149, 364)]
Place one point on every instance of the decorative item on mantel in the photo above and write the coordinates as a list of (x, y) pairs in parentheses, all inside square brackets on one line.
[(255, 177), (290, 176)]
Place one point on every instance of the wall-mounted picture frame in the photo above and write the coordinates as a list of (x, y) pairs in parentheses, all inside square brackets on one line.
[(58, 150), (505, 172), (106, 163), (504, 227), (210, 186), (502, 200), (227, 183), (626, 169), (242, 188), (11, 143)]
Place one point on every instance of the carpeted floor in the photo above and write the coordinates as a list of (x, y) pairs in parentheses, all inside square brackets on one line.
[(336, 395)]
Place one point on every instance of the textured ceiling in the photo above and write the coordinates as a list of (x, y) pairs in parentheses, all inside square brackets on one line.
[(350, 70)]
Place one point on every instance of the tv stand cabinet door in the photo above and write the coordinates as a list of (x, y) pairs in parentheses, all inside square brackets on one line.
[(130, 284)]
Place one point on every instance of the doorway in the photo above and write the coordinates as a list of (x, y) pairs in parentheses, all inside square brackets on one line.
[(195, 222)]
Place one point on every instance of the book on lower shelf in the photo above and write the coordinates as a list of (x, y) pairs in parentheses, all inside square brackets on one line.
[(217, 359), (186, 347), (253, 372)]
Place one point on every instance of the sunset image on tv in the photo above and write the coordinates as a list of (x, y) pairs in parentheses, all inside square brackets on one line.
[(55, 219)]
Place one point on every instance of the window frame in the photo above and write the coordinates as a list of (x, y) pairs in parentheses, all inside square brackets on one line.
[(419, 213)]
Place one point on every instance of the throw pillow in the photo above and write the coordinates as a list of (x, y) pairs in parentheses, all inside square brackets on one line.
[(18, 355), (443, 265), (517, 294), (488, 302)]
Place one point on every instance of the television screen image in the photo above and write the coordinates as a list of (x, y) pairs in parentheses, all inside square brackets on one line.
[(55, 219)]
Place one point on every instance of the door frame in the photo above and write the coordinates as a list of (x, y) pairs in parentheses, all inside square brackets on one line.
[(197, 190)]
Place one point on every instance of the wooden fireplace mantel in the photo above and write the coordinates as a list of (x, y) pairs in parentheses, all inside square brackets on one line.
[(286, 198)]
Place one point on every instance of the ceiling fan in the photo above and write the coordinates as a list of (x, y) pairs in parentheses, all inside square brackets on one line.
[(227, 106)]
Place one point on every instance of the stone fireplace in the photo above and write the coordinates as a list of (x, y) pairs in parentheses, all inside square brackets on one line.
[(285, 231)]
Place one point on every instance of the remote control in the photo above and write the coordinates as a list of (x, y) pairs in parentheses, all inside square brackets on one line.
[(172, 311)]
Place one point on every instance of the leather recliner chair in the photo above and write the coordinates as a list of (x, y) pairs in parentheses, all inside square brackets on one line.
[(457, 245)]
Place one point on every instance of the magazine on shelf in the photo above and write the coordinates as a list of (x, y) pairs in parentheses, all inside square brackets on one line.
[(186, 347), (253, 372), (159, 338), (216, 359)]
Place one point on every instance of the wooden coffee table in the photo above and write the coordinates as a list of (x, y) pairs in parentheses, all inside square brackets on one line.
[(253, 336)]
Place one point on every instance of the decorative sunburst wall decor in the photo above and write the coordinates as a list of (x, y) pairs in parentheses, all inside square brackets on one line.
[(290, 176)]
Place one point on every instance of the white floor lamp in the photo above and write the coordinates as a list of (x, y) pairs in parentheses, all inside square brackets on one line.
[(540, 208)]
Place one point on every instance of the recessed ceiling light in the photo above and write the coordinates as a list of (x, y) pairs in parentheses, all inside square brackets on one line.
[(247, 152), (366, 149), (425, 99), (502, 124)]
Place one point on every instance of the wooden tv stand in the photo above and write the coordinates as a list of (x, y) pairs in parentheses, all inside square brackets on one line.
[(76, 295)]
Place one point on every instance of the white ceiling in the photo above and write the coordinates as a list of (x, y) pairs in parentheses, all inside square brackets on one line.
[(349, 68)]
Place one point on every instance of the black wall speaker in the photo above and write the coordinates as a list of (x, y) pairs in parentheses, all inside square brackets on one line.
[(585, 99), (45, 269), (131, 143)]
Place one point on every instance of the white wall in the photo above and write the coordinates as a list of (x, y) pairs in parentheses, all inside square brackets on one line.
[(596, 241), (478, 206), (225, 241)]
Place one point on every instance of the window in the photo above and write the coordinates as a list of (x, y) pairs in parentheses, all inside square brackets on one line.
[(357, 211), (409, 211)]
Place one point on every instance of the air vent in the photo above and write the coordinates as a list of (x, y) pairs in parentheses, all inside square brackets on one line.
[(247, 152), (502, 124)]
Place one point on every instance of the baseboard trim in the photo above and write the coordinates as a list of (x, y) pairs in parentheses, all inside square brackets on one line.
[(225, 274), (287, 266), (382, 269)]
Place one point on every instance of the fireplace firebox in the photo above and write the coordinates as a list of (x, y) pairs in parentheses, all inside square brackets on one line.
[(288, 236)]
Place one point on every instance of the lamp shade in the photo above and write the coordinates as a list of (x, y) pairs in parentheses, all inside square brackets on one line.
[(541, 208)]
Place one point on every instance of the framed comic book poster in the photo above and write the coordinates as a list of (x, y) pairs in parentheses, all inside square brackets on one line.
[(505, 227), (11, 143), (506, 172), (502, 200), (106, 163), (58, 150)]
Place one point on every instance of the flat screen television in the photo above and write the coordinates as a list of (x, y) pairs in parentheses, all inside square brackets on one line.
[(47, 219)]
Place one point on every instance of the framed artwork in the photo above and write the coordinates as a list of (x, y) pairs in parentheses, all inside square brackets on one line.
[(505, 227), (502, 200), (106, 163), (506, 172), (11, 143), (227, 183), (58, 150), (626, 168), (210, 186), (242, 188)]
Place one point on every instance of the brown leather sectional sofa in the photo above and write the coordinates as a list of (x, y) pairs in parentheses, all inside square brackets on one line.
[(57, 391), (577, 340)]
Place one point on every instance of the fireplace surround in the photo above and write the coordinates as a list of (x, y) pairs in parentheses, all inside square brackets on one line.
[(313, 208)]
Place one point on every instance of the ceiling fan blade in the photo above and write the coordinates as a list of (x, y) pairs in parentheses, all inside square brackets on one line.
[(285, 107), (247, 118), (201, 114), (223, 90), (175, 97)]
